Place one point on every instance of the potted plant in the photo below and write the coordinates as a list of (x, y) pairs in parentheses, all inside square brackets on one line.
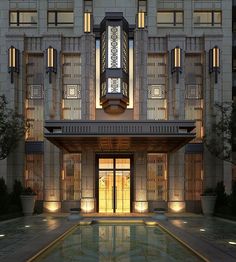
[(28, 201), (208, 200)]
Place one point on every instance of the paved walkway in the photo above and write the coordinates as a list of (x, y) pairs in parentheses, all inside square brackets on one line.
[(23, 237)]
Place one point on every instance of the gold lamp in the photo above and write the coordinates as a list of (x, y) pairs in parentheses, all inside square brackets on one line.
[(13, 61), (51, 62)]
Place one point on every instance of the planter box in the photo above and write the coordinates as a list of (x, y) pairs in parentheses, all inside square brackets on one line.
[(27, 202), (208, 205)]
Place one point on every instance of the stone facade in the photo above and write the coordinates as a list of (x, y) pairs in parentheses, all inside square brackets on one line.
[(153, 39)]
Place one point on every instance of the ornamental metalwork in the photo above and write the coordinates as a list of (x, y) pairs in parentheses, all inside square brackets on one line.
[(103, 51), (114, 85), (125, 52), (113, 46)]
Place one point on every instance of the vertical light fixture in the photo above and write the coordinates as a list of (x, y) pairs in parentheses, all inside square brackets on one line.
[(114, 75), (13, 61), (142, 10), (51, 62), (88, 10), (176, 62), (214, 62)]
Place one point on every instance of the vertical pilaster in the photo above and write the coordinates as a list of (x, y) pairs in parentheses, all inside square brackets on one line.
[(140, 74), (140, 204), (88, 98), (88, 201)]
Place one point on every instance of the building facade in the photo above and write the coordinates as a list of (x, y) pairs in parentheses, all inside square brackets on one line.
[(119, 95)]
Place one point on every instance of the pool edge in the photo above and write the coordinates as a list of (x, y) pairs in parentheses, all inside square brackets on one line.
[(183, 243), (41, 251)]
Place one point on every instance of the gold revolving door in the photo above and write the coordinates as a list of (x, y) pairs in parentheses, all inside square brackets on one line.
[(113, 185)]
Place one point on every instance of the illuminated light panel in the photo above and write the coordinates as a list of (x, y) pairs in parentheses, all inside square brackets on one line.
[(52, 206), (202, 229), (27, 226), (177, 206), (141, 206), (232, 243), (185, 222), (45, 220), (2, 235)]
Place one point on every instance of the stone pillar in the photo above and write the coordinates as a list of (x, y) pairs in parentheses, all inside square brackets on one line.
[(52, 110), (176, 202), (88, 89), (140, 74), (140, 204), (88, 200)]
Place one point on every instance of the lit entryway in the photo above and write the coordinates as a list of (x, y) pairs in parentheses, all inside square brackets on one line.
[(114, 185)]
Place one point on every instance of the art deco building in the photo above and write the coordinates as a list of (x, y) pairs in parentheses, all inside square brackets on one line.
[(119, 95)]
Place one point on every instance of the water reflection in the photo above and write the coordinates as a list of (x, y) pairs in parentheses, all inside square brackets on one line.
[(118, 243)]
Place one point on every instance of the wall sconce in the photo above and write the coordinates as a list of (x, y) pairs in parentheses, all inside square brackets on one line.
[(214, 62), (51, 62), (13, 61), (176, 62), (87, 22), (141, 20)]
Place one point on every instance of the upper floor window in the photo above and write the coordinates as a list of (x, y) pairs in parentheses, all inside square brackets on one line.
[(207, 18), (170, 18), (60, 18), (23, 18)]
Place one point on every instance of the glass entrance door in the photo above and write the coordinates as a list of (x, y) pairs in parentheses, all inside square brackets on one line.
[(114, 185)]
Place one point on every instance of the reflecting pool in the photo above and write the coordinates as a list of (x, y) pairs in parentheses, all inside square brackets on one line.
[(118, 242)]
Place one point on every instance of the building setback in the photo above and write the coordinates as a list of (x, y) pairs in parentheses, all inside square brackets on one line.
[(119, 95)]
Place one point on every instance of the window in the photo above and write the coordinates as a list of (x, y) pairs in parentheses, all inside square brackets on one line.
[(23, 18), (156, 98), (157, 177), (207, 18), (170, 18), (71, 77), (60, 18), (71, 184), (34, 97), (194, 92), (34, 174), (193, 176)]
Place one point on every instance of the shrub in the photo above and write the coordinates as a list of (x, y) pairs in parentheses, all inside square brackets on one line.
[(4, 197), (15, 195), (222, 200), (232, 199)]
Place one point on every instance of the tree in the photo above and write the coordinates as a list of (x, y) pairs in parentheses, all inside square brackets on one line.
[(12, 128), (221, 136)]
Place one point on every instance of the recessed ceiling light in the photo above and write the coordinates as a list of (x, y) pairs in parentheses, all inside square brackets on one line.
[(185, 222), (202, 229), (45, 219), (232, 243), (27, 226), (2, 235)]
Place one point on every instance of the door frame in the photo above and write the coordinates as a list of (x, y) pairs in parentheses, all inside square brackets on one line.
[(114, 155)]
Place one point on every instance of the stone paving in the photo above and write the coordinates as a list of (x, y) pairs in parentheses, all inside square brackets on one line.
[(21, 238)]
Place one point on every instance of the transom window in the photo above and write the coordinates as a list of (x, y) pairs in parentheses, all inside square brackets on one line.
[(169, 18), (23, 18), (60, 18), (207, 18)]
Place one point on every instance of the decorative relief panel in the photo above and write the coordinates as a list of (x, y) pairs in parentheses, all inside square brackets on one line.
[(193, 92), (72, 91), (156, 92), (34, 92), (113, 46)]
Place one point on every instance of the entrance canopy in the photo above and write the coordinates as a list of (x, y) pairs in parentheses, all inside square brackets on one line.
[(153, 136)]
